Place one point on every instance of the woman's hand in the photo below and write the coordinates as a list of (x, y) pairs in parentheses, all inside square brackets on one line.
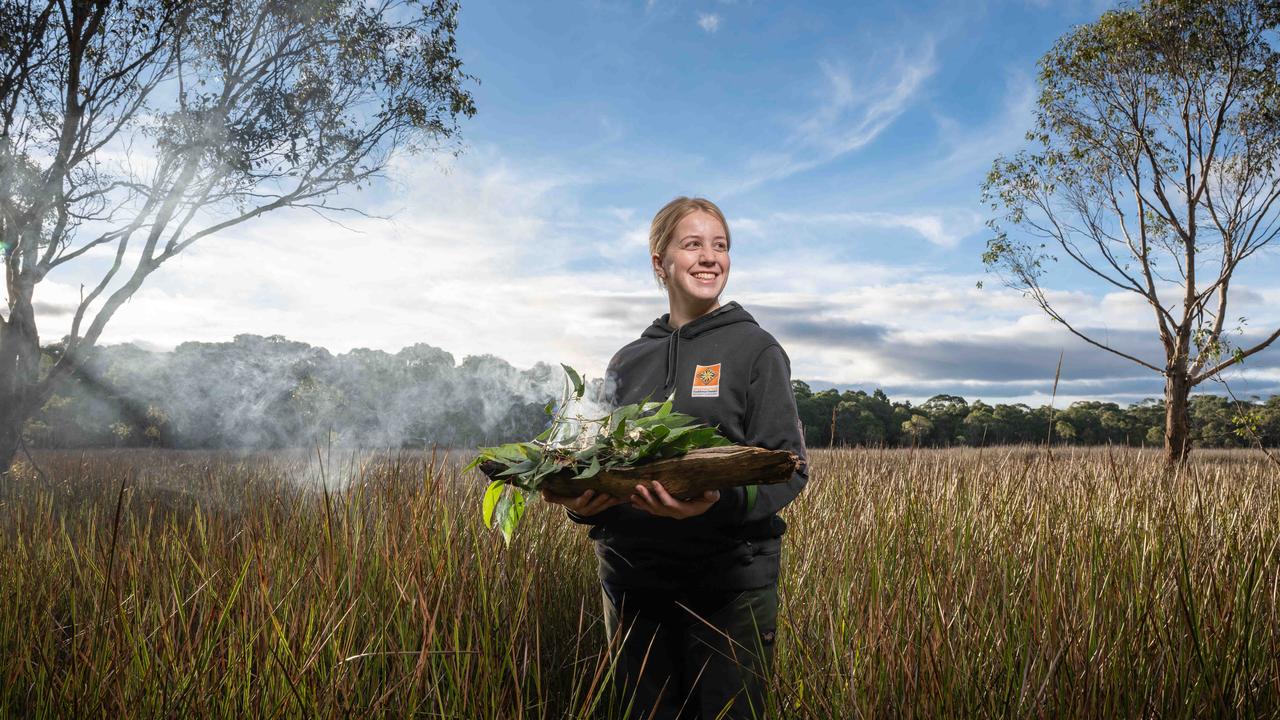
[(659, 502), (588, 503)]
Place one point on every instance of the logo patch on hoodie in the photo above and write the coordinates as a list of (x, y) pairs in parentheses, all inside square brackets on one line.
[(706, 381)]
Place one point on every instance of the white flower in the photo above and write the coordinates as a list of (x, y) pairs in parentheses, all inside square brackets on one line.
[(585, 434)]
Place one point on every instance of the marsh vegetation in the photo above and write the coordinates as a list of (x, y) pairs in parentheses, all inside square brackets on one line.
[(996, 582)]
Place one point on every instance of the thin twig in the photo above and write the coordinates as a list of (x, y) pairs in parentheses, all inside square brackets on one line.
[(408, 652), (1247, 425), (1048, 442), (23, 443)]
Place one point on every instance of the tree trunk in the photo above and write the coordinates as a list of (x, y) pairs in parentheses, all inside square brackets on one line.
[(1177, 425), (8, 441), (19, 376)]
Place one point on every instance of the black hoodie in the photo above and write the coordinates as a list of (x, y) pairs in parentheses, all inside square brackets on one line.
[(730, 373)]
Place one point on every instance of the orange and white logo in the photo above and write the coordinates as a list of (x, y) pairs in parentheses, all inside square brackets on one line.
[(706, 381)]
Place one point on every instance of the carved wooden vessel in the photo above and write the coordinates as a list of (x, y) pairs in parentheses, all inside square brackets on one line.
[(686, 476)]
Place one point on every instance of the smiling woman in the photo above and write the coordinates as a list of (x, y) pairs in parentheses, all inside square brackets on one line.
[(689, 242), (690, 586)]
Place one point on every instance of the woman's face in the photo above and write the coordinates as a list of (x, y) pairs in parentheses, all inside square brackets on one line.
[(695, 265)]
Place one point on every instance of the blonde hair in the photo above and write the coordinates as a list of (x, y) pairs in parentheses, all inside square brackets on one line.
[(663, 227)]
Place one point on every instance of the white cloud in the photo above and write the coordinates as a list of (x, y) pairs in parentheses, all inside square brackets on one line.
[(483, 260), (487, 255), (852, 110), (709, 21), (474, 260), (486, 259)]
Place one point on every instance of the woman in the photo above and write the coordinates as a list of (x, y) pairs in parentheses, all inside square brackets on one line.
[(690, 586)]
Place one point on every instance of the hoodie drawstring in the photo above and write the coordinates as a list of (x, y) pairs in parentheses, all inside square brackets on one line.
[(673, 354)]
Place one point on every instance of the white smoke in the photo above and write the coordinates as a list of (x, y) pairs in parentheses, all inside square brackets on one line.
[(256, 392)]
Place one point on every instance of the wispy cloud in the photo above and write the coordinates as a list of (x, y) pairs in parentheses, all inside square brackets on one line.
[(709, 21), (945, 229), (963, 150), (1005, 129), (853, 110)]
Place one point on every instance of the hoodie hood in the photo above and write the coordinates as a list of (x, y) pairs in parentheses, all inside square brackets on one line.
[(726, 314)]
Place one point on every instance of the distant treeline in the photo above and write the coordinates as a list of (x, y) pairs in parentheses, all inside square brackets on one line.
[(859, 418), (267, 392)]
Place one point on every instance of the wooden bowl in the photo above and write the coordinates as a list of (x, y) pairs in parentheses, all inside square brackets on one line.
[(686, 476)]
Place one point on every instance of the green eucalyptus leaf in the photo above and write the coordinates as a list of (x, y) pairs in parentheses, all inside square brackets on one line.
[(523, 467), (510, 451), (500, 507), (511, 517), (679, 431), (579, 387), (491, 497), (664, 410), (591, 471)]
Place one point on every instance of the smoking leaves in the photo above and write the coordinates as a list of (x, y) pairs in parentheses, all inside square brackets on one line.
[(630, 435)]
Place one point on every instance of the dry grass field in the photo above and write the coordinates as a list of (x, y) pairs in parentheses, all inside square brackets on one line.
[(996, 582)]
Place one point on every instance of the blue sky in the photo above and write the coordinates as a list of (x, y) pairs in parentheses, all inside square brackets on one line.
[(846, 143)]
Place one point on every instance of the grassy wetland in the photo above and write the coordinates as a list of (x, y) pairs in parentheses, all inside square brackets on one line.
[(996, 582)]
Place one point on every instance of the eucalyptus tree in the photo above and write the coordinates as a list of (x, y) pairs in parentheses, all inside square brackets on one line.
[(1152, 166), (223, 110)]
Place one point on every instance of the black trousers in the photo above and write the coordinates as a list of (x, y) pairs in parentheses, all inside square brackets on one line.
[(686, 655)]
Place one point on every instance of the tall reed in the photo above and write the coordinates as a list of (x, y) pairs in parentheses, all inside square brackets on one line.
[(990, 582)]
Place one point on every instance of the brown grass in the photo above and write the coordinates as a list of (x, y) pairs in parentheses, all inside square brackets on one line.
[(918, 584)]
